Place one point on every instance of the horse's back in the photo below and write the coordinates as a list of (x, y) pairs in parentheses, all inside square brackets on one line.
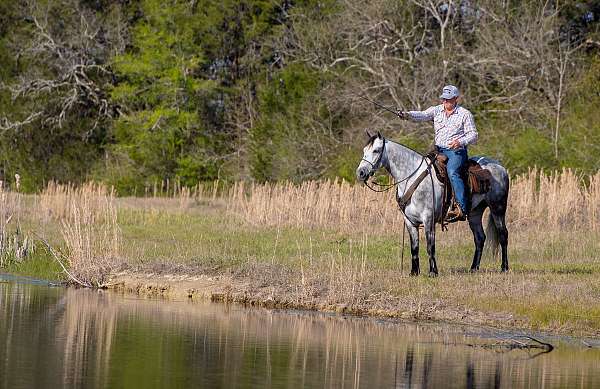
[(495, 167), (500, 182), (483, 160)]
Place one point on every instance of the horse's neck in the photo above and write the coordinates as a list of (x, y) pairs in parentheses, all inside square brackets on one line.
[(401, 161)]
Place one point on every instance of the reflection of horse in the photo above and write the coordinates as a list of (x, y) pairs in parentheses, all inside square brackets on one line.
[(425, 204)]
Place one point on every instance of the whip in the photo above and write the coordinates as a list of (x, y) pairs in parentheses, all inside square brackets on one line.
[(389, 109)]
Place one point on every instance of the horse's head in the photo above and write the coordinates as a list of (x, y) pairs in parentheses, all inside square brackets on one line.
[(372, 156)]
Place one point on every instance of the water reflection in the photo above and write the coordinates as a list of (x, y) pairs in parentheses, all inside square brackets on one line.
[(55, 337)]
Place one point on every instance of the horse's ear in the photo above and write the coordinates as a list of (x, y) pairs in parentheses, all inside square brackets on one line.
[(368, 133), (379, 135)]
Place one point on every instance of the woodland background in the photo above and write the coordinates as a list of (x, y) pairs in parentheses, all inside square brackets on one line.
[(133, 92)]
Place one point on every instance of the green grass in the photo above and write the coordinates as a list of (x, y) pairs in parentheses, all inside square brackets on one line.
[(554, 282), (193, 239), (39, 265)]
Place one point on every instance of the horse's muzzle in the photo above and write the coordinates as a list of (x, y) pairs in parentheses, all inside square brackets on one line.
[(362, 175)]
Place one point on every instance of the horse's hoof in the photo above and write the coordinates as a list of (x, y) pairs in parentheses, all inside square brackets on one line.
[(414, 273), (433, 274), (504, 270), (474, 270)]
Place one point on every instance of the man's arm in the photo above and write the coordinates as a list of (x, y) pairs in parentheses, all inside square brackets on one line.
[(418, 116), (471, 135)]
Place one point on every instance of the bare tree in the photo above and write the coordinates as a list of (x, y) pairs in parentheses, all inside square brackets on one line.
[(442, 11), (66, 52), (397, 52), (523, 63)]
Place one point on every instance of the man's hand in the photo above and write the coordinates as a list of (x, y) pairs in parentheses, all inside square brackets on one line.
[(455, 144)]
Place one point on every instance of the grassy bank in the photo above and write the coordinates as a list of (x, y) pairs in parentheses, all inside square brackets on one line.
[(326, 246)]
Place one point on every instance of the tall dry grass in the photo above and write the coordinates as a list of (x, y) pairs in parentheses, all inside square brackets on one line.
[(88, 220), (556, 200), (331, 204), (61, 201), (87, 215), (14, 244), (186, 195), (551, 201)]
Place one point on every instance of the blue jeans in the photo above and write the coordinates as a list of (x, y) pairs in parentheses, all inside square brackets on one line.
[(457, 159)]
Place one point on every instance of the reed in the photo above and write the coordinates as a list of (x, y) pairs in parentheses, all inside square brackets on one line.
[(333, 204), (550, 201), (14, 244), (89, 228)]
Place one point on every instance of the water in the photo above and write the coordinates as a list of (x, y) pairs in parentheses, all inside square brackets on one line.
[(55, 337)]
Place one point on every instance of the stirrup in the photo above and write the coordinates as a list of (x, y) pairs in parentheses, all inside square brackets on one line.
[(454, 219), (455, 215)]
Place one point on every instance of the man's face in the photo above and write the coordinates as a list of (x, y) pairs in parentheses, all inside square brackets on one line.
[(449, 104)]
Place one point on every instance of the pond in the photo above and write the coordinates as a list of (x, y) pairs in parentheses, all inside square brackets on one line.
[(56, 337)]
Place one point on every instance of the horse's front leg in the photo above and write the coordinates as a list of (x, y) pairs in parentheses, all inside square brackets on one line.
[(413, 232), (430, 236)]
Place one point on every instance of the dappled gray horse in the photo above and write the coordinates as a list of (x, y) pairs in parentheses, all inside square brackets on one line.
[(425, 205)]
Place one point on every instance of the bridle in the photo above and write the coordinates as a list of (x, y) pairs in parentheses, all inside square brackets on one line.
[(387, 187), (377, 164)]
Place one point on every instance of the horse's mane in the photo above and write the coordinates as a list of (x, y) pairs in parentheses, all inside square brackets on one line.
[(406, 147), (373, 137)]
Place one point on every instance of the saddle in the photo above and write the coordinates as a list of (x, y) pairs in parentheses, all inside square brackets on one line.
[(477, 179)]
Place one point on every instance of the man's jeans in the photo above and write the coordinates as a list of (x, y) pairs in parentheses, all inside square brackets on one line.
[(457, 159)]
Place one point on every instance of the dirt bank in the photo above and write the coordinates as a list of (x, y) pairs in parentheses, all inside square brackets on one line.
[(232, 288)]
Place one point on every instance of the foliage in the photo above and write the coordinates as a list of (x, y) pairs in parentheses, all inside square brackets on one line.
[(285, 136), (131, 93), (581, 142), (160, 133)]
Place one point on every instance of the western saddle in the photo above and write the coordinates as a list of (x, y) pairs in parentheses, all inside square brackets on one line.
[(476, 178)]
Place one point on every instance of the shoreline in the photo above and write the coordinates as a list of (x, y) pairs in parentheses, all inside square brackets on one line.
[(230, 289)]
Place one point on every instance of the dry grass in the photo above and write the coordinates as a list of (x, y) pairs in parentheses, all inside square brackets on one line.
[(331, 243), (14, 245), (88, 225), (61, 202), (329, 204), (556, 200), (551, 201)]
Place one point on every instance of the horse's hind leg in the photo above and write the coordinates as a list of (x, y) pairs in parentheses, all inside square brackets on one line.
[(475, 217), (414, 247), (499, 217)]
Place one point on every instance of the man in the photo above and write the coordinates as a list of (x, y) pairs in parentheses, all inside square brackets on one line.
[(454, 131)]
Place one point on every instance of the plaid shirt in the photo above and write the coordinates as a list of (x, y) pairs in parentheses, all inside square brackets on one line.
[(459, 125)]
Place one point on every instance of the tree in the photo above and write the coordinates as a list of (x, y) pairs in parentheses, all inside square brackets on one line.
[(161, 93), (524, 63), (59, 87)]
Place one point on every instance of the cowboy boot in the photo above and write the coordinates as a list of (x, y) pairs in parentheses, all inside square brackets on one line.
[(455, 214)]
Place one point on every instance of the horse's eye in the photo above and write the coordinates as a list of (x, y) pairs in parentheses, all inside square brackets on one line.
[(376, 151)]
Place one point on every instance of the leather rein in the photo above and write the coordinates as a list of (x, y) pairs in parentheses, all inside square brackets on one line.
[(385, 187)]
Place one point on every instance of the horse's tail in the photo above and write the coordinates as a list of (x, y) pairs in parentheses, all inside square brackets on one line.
[(492, 243)]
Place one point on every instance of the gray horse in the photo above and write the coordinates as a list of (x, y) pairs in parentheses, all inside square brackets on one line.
[(425, 205)]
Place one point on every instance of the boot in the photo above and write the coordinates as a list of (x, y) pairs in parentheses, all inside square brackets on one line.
[(455, 214)]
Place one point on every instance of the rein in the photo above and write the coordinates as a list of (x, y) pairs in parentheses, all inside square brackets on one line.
[(402, 202), (387, 187)]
